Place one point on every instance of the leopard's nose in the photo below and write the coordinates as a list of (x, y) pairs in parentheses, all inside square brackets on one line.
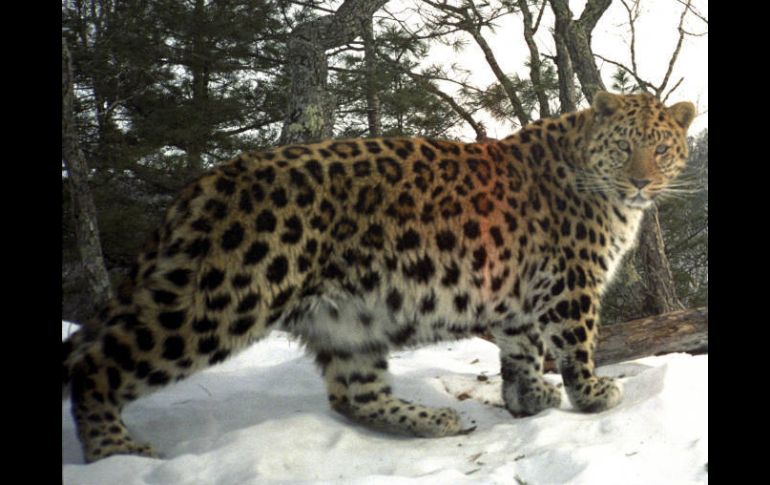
[(640, 183)]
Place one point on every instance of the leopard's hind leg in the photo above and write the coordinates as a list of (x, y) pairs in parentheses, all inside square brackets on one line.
[(522, 353), (358, 388)]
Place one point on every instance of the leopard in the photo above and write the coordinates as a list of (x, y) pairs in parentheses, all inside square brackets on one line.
[(359, 247)]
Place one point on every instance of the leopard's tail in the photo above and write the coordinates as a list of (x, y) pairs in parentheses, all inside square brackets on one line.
[(71, 349), (67, 350)]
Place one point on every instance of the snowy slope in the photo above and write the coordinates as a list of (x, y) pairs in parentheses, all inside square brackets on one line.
[(262, 417)]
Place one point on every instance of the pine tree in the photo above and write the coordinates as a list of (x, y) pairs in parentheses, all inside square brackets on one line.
[(621, 81), (684, 218), (163, 90), (406, 109)]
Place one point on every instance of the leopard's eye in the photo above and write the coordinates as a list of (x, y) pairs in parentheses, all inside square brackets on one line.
[(661, 149), (623, 145)]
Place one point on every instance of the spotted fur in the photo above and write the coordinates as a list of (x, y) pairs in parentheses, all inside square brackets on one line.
[(358, 247)]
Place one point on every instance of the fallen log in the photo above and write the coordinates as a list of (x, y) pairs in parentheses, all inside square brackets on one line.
[(679, 331)]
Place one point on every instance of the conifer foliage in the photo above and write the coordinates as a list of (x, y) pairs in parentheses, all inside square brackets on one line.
[(165, 89)]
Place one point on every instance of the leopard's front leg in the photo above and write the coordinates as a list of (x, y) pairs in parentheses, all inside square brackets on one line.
[(569, 323)]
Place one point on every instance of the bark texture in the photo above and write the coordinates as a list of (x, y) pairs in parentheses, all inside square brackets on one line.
[(660, 293), (578, 40), (564, 69), (86, 228), (679, 331), (534, 59), (310, 110)]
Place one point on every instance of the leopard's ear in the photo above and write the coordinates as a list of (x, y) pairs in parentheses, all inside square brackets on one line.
[(683, 113), (606, 103)]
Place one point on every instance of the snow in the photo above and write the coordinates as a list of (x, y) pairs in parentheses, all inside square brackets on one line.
[(262, 418)]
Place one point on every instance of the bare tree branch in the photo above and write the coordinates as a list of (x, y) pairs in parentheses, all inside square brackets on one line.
[(252, 126), (563, 63), (539, 16), (693, 34), (694, 11), (478, 127), (462, 84), (675, 54), (472, 22), (425, 82), (415, 35), (310, 6), (633, 14), (534, 60), (665, 98), (683, 242), (641, 82)]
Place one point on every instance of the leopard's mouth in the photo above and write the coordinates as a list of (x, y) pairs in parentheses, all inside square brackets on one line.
[(638, 201)]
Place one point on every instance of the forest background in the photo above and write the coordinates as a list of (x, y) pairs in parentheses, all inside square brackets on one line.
[(155, 92)]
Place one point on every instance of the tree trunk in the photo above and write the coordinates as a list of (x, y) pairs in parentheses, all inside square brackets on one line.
[(86, 228), (534, 60), (660, 293), (679, 331), (564, 70), (310, 111), (309, 115), (578, 40), (197, 62), (373, 114)]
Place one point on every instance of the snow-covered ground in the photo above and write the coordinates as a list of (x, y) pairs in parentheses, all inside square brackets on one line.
[(262, 417)]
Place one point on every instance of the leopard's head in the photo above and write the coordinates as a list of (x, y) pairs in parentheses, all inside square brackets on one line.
[(637, 146)]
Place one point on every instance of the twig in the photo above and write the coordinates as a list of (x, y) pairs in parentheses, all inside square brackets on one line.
[(539, 17), (665, 98), (425, 81), (693, 11), (675, 54), (641, 82), (633, 15), (534, 60), (311, 6)]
